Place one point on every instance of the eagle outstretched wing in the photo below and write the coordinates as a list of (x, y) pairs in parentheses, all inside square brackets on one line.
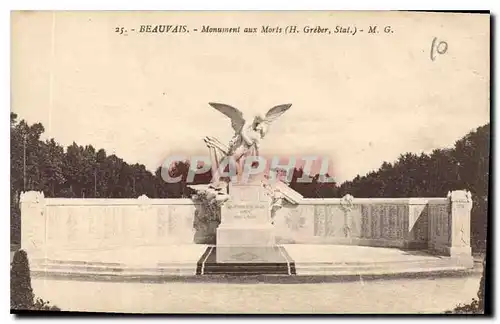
[(272, 115), (236, 116), (275, 112)]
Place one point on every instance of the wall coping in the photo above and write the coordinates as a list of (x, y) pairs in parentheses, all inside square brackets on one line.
[(117, 201), (392, 201), (188, 201)]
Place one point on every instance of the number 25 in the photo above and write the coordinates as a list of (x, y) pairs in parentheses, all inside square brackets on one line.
[(119, 30)]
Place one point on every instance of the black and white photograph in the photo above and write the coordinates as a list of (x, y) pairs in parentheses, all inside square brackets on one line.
[(249, 162)]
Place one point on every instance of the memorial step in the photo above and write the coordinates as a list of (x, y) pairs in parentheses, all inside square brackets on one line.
[(282, 264)]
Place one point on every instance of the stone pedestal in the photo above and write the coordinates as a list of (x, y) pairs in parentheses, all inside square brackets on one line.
[(458, 245), (33, 222), (246, 234)]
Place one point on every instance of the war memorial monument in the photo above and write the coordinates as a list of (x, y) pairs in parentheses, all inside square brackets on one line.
[(261, 226)]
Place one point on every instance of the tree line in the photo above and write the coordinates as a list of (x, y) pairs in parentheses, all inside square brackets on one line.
[(84, 171)]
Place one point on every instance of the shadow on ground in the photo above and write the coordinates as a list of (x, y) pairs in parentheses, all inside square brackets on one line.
[(269, 279)]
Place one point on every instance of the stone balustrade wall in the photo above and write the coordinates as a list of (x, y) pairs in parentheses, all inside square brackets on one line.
[(105, 223), (372, 222), (440, 224)]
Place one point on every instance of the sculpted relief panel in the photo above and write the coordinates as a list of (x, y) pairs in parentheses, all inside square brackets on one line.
[(319, 220), (440, 222), (376, 213), (335, 224), (329, 221), (355, 221), (388, 222), (98, 226), (295, 220), (365, 221), (295, 224)]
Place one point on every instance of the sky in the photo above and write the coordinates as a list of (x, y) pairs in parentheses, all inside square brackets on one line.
[(358, 100)]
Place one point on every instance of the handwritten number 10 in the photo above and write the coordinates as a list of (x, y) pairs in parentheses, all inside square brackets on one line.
[(440, 48)]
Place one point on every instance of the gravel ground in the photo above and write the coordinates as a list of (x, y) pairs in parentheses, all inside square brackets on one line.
[(382, 296)]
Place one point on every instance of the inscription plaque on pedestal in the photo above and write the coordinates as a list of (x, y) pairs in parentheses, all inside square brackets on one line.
[(246, 233)]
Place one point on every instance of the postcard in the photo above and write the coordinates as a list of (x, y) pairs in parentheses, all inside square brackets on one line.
[(249, 162)]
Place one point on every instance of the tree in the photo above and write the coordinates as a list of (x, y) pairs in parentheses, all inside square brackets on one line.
[(465, 166), (84, 171)]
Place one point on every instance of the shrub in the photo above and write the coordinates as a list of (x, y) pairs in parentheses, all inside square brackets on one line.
[(21, 292), (42, 305)]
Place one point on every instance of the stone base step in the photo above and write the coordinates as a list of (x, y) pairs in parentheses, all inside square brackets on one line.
[(55, 267), (79, 270), (247, 269), (324, 268)]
